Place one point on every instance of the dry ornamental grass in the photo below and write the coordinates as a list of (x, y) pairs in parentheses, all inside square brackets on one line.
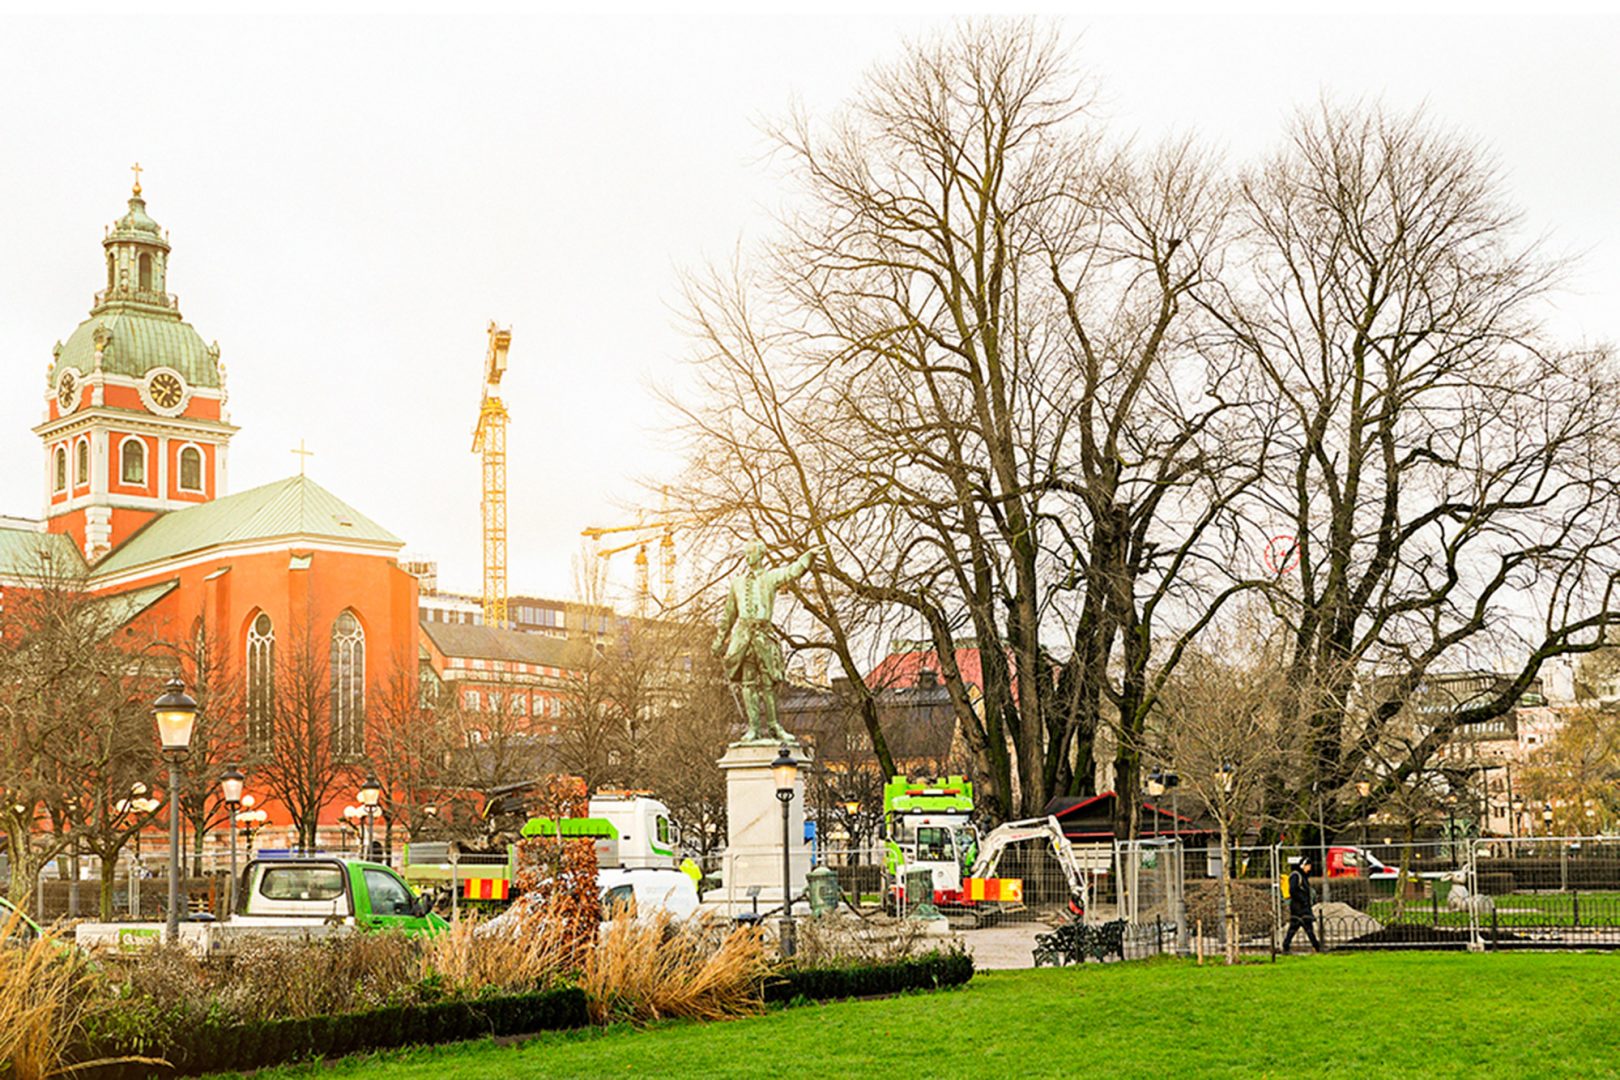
[(653, 968)]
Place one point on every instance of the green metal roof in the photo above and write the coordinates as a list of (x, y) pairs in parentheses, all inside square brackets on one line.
[(137, 225), (119, 609), (294, 507), (20, 550), (494, 643), (142, 340)]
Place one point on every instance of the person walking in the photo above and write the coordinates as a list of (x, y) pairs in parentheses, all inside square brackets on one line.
[(1300, 913)]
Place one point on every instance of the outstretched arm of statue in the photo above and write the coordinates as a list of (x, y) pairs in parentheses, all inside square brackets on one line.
[(728, 618), (798, 566)]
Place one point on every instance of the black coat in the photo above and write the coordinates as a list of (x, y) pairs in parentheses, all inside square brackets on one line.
[(1299, 894)]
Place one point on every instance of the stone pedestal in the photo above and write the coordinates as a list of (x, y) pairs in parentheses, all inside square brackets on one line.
[(754, 830)]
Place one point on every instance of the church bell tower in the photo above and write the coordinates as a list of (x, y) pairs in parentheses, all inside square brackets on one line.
[(135, 420)]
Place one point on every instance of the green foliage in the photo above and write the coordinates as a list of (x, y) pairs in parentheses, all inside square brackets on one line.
[(931, 972)]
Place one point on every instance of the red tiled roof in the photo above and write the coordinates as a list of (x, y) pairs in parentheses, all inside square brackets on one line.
[(898, 671)]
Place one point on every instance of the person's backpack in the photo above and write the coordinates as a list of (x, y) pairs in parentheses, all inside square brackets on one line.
[(1286, 879)]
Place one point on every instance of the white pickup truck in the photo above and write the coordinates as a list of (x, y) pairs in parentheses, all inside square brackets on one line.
[(300, 897)]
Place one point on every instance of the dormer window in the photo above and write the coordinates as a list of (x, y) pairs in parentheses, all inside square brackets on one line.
[(132, 462)]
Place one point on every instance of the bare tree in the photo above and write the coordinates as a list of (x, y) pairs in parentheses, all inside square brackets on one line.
[(1226, 725), (299, 765), (75, 728), (974, 368), (1445, 474)]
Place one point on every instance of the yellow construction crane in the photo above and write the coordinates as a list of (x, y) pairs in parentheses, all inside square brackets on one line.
[(665, 529), (489, 439)]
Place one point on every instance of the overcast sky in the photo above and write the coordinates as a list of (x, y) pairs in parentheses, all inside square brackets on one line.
[(352, 200)]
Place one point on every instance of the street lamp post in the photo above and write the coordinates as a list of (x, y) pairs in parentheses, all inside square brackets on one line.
[(1516, 807), (1364, 789), (1155, 790), (852, 811), (230, 788), (370, 794), (175, 713), (785, 771)]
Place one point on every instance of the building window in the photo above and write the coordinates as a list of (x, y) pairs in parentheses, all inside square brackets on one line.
[(191, 469), (261, 683), (146, 273), (348, 687), (81, 468), (469, 700), (61, 468), (132, 461), (111, 271)]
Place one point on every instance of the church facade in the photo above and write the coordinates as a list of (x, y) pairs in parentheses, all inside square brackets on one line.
[(135, 440)]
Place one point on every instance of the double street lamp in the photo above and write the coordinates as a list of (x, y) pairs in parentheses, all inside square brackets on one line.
[(785, 772), (176, 714)]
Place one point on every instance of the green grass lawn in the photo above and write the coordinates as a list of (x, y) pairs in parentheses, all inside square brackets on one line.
[(1434, 1014)]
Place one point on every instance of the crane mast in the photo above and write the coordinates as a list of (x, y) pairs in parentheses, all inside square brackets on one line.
[(490, 440)]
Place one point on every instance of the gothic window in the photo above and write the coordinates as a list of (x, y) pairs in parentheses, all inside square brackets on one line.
[(261, 682), (81, 466), (146, 273), (132, 461), (348, 686), (191, 469), (61, 468)]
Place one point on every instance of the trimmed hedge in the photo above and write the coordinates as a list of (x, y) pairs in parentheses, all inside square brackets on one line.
[(929, 972), (219, 1047), (213, 1046)]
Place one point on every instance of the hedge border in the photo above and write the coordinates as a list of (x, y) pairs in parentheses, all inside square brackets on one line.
[(931, 972), (215, 1047)]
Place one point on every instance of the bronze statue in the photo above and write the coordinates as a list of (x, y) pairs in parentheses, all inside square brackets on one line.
[(746, 640)]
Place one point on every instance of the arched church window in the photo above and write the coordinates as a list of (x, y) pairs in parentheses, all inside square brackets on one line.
[(191, 469), (112, 271), (261, 682), (348, 686), (61, 469), (146, 272), (132, 461), (81, 466)]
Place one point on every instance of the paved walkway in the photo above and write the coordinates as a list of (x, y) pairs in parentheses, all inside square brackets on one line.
[(1003, 948)]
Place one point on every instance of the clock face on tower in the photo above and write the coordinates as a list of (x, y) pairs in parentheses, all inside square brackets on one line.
[(165, 391), (67, 390)]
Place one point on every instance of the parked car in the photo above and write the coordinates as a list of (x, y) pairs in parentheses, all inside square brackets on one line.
[(306, 896)]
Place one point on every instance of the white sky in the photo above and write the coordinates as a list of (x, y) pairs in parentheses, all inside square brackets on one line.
[(351, 200)]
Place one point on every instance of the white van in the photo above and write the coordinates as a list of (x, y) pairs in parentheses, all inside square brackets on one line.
[(651, 888)]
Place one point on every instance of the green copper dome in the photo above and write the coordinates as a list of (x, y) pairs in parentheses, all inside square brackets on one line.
[(135, 321), (139, 342)]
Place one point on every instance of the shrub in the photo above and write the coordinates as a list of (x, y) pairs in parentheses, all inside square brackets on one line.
[(931, 972), (829, 940), (531, 953), (651, 968)]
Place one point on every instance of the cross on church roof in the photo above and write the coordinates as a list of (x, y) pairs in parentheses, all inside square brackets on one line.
[(302, 456), (136, 169)]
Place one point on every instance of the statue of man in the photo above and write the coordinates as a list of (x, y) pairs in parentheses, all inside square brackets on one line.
[(746, 640)]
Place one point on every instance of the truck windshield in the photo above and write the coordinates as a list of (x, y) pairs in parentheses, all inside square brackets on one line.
[(301, 883), (934, 845)]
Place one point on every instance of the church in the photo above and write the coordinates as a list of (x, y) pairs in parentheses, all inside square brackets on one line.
[(136, 438)]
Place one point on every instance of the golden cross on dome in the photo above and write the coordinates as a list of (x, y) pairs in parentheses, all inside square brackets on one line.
[(136, 169), (302, 456)]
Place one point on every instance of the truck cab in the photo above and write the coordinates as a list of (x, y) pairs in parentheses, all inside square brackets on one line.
[(328, 890)]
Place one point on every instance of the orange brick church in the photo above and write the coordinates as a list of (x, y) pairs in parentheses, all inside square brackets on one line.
[(136, 438)]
